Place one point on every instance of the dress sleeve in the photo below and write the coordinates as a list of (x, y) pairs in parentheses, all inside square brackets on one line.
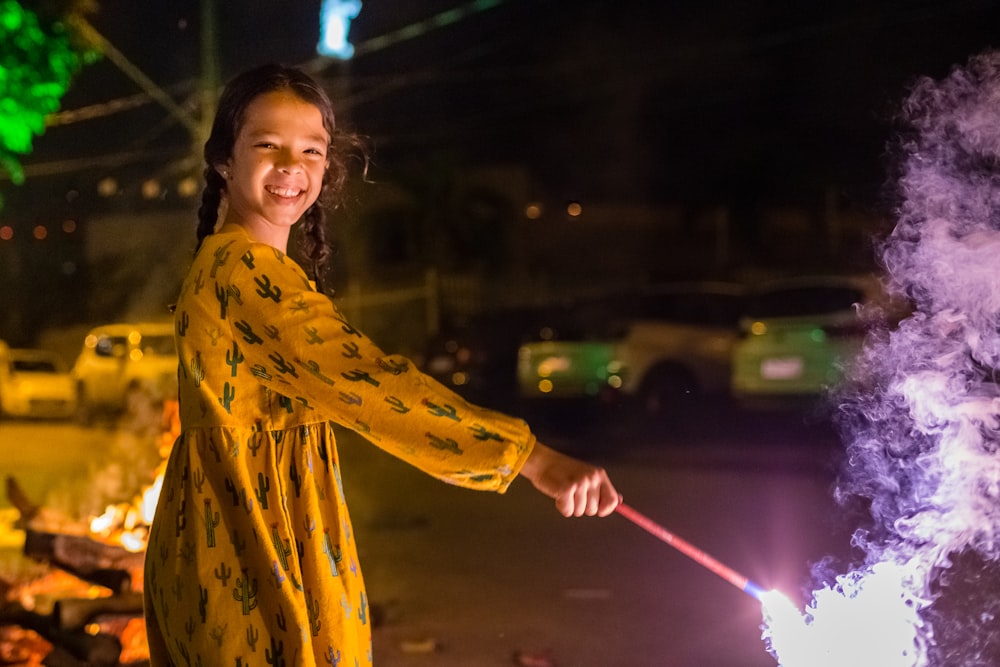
[(295, 341)]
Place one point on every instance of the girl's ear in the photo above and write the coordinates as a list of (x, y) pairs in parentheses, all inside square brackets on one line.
[(224, 170)]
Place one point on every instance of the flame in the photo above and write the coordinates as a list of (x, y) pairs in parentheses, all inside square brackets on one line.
[(870, 618), (128, 524)]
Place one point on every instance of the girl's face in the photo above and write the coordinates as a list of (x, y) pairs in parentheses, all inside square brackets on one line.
[(276, 171)]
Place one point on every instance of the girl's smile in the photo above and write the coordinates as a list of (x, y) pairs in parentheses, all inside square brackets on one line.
[(277, 167)]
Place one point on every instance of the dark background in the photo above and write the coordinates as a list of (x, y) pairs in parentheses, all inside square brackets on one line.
[(624, 99)]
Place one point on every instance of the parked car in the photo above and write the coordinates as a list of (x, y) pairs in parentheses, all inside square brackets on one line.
[(476, 355), (799, 336), (119, 358), (36, 384), (653, 349)]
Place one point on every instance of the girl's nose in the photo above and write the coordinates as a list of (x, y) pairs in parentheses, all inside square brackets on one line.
[(288, 163)]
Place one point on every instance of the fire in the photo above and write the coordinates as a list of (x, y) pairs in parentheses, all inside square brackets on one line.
[(869, 618), (128, 523)]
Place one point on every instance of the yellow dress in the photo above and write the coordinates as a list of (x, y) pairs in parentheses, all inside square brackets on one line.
[(251, 557)]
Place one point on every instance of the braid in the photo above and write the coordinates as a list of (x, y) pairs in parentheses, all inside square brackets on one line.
[(314, 243), (208, 212)]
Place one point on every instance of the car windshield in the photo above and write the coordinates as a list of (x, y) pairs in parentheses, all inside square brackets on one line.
[(812, 300)]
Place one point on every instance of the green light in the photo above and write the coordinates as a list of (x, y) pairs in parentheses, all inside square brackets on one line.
[(818, 335), (36, 66)]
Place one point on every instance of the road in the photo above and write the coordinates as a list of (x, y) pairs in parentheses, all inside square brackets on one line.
[(462, 578)]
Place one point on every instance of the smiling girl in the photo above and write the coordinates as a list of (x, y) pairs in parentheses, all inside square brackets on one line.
[(252, 558)]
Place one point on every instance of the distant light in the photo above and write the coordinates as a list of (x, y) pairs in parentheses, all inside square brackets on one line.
[(107, 187), (459, 378), (187, 187), (68, 268), (545, 386), (6, 233), (40, 232), (615, 382), (71, 195), (533, 211), (335, 23), (574, 209), (758, 328), (69, 225), (151, 189)]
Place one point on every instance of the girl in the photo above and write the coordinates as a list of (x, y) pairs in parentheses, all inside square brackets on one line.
[(251, 556)]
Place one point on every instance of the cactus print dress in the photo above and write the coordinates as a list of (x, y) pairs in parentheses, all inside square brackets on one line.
[(251, 557)]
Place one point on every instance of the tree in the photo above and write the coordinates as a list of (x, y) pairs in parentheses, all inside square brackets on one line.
[(39, 55)]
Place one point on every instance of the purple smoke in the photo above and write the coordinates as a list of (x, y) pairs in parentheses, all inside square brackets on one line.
[(921, 412)]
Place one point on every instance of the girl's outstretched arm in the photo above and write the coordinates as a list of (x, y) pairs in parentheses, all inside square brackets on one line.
[(578, 487)]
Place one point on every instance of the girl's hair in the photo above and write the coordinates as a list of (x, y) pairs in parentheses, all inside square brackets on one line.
[(236, 97)]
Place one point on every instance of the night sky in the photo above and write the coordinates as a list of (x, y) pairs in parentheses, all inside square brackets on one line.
[(618, 100)]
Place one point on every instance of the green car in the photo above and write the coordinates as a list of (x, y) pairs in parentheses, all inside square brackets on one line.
[(799, 336), (657, 349)]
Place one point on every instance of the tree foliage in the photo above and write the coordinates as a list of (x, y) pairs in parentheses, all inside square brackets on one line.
[(38, 59)]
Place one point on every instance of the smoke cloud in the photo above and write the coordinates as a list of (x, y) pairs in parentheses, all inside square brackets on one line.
[(921, 416)]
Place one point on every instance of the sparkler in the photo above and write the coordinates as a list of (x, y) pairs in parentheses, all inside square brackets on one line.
[(692, 552)]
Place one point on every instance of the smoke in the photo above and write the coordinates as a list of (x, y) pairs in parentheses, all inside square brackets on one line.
[(921, 414)]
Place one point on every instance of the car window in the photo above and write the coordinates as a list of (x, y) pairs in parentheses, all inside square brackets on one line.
[(33, 366), (812, 300), (717, 309), (110, 346)]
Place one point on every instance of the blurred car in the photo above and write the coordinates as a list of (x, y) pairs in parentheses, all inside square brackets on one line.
[(655, 349), (799, 335), (120, 358), (35, 383), (476, 355)]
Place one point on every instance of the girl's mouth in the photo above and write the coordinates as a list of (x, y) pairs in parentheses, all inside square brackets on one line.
[(277, 190)]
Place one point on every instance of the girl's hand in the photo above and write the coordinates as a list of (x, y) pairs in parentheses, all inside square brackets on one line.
[(577, 487)]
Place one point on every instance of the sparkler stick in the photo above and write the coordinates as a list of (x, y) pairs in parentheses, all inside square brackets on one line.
[(691, 551)]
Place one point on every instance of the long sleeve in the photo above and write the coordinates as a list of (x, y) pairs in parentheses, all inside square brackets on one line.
[(294, 341)]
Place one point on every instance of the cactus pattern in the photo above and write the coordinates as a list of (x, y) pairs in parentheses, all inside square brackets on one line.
[(361, 376), (263, 486), (446, 444), (269, 366), (249, 336), (211, 521), (226, 400), (480, 432), (234, 358), (275, 654), (199, 479), (203, 603), (197, 370), (447, 411), (246, 592), (282, 546), (223, 572), (333, 554), (397, 404), (312, 609)]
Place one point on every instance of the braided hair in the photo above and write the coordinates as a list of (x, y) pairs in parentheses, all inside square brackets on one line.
[(237, 95)]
